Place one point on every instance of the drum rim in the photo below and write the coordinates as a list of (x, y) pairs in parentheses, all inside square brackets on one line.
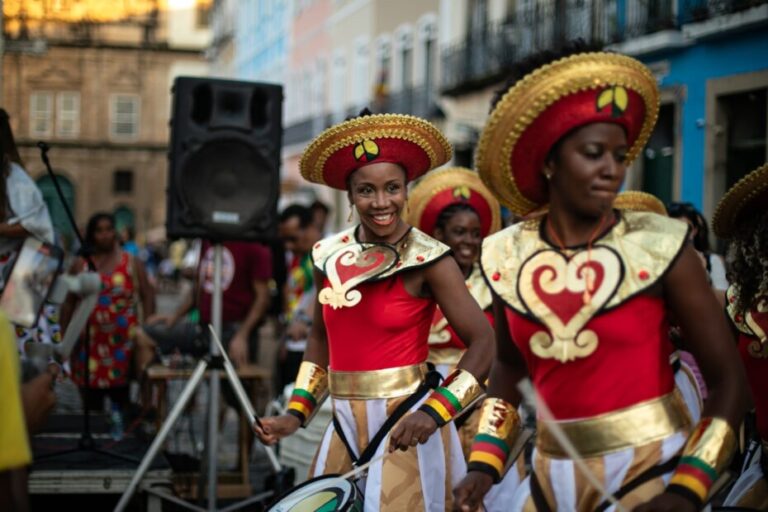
[(308, 482)]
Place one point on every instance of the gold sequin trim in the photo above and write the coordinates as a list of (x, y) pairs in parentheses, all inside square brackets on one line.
[(740, 195), (379, 126)]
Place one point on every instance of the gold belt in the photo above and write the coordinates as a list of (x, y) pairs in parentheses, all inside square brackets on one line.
[(387, 383), (636, 425)]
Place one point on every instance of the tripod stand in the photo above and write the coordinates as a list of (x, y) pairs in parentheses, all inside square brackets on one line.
[(86, 442), (215, 362)]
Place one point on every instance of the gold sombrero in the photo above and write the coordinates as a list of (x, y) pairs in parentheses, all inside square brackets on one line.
[(550, 102), (638, 201), (445, 187), (750, 191), (411, 142)]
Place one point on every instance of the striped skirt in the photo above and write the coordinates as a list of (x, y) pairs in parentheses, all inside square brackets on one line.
[(565, 488), (421, 478)]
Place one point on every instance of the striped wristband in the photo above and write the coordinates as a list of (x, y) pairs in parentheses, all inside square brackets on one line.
[(309, 392), (498, 428), (457, 391), (706, 454)]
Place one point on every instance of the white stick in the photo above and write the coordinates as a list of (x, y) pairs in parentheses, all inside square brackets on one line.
[(532, 397)]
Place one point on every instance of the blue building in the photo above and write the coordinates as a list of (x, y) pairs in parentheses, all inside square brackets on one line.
[(710, 57), (711, 60), (261, 39)]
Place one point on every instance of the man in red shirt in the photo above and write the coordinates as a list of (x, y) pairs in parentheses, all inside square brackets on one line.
[(245, 274)]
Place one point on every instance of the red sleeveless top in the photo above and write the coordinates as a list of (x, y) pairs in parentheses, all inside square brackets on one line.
[(386, 329), (594, 339), (629, 365)]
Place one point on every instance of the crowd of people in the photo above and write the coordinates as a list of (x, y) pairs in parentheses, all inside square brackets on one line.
[(424, 321)]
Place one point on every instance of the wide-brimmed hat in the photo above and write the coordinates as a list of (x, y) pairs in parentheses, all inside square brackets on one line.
[(410, 142), (445, 187), (549, 103), (748, 195)]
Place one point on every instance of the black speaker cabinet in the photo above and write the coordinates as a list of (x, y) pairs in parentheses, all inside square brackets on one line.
[(224, 161)]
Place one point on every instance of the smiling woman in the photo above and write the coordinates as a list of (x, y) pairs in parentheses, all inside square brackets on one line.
[(379, 284)]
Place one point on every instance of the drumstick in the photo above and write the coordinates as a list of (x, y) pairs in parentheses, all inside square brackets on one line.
[(531, 396), (242, 397)]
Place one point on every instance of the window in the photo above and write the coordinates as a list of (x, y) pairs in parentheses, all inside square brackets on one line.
[(68, 114), (203, 13), (361, 72), (124, 116), (122, 181), (41, 114)]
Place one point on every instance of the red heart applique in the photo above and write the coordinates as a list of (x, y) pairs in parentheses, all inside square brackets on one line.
[(350, 267)]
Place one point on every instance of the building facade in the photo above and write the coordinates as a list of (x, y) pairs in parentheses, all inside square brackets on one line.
[(99, 92)]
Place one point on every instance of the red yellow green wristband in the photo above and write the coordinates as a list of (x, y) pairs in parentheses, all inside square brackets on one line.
[(498, 428), (706, 454), (448, 400), (309, 392)]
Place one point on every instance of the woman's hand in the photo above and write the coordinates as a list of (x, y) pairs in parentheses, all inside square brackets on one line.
[(276, 428), (666, 502), (468, 496), (414, 429)]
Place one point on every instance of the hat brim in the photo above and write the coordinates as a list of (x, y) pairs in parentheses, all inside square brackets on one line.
[(440, 189), (748, 194), (413, 143), (538, 93)]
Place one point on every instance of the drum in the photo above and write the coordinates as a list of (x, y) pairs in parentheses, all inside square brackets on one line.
[(327, 493)]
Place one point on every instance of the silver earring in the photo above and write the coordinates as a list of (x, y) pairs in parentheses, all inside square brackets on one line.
[(548, 175), (351, 212)]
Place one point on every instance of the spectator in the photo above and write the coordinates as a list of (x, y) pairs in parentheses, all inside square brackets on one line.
[(299, 232), (127, 239), (23, 213), (246, 270), (699, 237), (126, 294), (320, 214)]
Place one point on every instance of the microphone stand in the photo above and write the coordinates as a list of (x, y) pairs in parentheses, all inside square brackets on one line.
[(86, 441)]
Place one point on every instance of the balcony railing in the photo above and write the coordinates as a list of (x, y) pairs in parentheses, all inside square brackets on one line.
[(486, 55), (701, 10)]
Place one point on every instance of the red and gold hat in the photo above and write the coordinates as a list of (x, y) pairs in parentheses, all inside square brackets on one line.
[(748, 195), (408, 141), (550, 102), (638, 201), (445, 187)]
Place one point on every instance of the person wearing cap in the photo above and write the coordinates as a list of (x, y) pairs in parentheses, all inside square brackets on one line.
[(378, 285), (454, 206), (581, 295), (742, 218)]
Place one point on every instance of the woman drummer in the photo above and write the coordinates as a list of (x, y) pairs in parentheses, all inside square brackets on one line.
[(453, 206), (380, 283), (580, 301), (742, 217)]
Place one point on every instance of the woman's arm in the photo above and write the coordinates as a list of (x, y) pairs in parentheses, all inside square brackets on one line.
[(507, 370), (464, 314), (316, 354), (146, 290), (705, 335), (13, 230)]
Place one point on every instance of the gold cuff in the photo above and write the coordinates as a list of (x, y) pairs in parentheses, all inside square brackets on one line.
[(464, 386), (499, 418), (713, 441), (309, 392)]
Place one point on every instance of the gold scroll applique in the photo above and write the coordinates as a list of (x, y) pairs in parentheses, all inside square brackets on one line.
[(564, 294), (438, 331), (350, 266)]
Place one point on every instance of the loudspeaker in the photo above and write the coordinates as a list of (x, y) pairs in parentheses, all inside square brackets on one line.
[(224, 160)]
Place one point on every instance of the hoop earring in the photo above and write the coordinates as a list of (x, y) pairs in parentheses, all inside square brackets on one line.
[(351, 212)]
